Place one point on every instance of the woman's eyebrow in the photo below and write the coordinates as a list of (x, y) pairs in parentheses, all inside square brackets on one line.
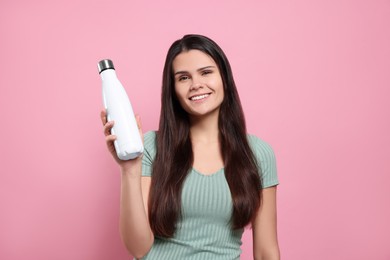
[(200, 69), (207, 67)]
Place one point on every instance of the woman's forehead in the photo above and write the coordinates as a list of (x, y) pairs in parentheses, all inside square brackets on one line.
[(192, 60)]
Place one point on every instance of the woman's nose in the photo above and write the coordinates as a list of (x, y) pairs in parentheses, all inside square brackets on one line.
[(196, 84)]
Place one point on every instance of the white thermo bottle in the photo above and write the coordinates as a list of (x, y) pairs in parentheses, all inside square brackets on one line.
[(128, 144)]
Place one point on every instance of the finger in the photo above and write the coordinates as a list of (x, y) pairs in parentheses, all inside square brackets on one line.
[(139, 124), (103, 116), (107, 128), (138, 119), (110, 138), (110, 143)]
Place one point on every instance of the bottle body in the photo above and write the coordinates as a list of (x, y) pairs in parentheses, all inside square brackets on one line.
[(128, 144)]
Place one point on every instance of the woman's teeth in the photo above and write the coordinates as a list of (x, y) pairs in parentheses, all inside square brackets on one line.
[(199, 97)]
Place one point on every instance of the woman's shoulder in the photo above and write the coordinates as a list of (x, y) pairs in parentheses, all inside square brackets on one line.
[(266, 160), (149, 153), (258, 144), (150, 135), (150, 139)]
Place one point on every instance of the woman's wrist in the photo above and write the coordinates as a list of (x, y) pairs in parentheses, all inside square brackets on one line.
[(131, 172)]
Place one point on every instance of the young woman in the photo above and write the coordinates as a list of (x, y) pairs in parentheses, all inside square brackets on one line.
[(202, 178)]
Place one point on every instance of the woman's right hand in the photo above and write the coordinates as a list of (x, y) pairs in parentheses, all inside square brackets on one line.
[(134, 166)]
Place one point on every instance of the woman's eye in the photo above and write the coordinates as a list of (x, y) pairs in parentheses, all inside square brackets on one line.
[(181, 78), (205, 72)]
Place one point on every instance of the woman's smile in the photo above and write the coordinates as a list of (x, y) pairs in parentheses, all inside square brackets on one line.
[(200, 97)]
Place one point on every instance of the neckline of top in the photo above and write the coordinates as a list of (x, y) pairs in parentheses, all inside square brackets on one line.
[(207, 175)]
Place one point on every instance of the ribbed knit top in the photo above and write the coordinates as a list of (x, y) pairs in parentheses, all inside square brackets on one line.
[(204, 230)]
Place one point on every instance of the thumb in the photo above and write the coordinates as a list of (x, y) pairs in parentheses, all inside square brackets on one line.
[(139, 124)]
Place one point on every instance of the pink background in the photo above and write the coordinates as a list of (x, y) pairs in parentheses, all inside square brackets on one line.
[(314, 80)]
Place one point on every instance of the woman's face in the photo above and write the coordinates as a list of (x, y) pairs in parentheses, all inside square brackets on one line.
[(198, 83)]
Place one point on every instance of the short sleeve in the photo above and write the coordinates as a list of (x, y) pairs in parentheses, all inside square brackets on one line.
[(149, 153), (266, 161)]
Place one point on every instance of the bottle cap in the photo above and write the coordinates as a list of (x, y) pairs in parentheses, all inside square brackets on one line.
[(104, 65)]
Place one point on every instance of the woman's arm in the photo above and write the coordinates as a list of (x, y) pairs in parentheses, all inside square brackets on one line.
[(265, 240), (134, 223)]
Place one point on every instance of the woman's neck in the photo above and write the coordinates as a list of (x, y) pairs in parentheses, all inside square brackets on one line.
[(205, 129)]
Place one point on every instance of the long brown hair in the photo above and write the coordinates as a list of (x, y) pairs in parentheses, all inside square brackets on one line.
[(174, 156)]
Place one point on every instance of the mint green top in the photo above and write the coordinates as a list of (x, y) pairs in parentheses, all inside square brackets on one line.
[(204, 231)]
